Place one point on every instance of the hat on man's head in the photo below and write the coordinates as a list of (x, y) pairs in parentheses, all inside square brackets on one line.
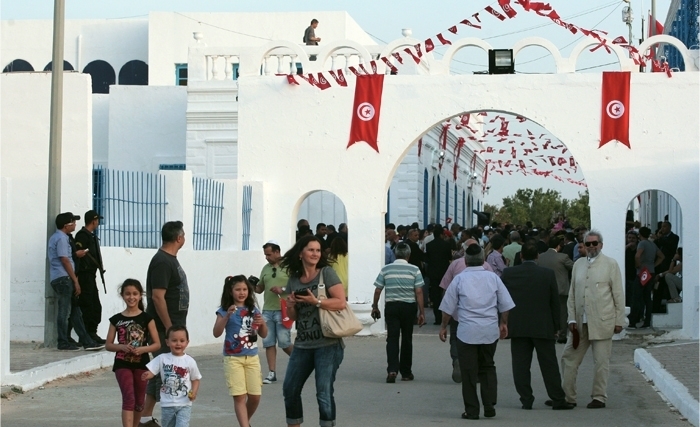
[(65, 218), (473, 249), (91, 216), (271, 242)]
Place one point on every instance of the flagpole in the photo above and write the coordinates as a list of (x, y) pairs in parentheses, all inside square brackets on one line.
[(54, 182)]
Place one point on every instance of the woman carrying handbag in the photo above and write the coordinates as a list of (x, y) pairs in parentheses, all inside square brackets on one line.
[(307, 267)]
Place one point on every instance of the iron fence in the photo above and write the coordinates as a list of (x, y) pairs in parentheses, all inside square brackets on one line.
[(133, 206), (208, 213), (246, 212)]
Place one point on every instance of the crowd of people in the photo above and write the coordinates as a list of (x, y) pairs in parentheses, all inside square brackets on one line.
[(535, 286)]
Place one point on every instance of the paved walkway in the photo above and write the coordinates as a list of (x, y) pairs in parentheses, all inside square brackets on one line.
[(673, 370), (363, 398)]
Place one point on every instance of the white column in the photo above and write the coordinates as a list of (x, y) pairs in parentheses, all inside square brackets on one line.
[(230, 239), (180, 197), (5, 241)]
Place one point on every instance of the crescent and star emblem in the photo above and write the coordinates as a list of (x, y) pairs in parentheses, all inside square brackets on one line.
[(615, 109), (365, 111)]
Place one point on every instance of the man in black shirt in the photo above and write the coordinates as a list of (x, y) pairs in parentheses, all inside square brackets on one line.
[(168, 298)]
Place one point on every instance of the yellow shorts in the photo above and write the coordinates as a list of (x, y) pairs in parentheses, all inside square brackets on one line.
[(243, 375)]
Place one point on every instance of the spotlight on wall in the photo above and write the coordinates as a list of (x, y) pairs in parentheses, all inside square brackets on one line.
[(474, 177), (441, 155), (501, 61)]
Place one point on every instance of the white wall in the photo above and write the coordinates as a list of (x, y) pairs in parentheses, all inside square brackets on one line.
[(147, 127), (116, 41), (24, 153), (206, 271), (100, 129), (412, 104)]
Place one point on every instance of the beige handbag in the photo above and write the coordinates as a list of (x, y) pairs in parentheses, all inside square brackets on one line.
[(336, 323)]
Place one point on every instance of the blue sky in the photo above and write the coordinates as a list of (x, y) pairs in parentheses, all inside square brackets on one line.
[(384, 20)]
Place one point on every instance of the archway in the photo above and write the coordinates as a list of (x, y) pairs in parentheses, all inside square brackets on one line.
[(102, 75), (326, 216), (18, 65), (654, 226), (134, 73), (566, 105), (66, 66)]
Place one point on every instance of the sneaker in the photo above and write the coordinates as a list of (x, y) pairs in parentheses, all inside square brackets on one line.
[(70, 347), (270, 378), (152, 423), (94, 347)]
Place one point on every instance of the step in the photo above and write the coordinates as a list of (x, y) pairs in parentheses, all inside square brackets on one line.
[(673, 319)]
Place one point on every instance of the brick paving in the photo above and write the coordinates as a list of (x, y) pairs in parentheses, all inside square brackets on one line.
[(681, 361)]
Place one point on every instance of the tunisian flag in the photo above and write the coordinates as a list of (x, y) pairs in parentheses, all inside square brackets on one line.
[(615, 115), (365, 110)]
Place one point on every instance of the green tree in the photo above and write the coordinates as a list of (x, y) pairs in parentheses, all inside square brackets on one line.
[(541, 207)]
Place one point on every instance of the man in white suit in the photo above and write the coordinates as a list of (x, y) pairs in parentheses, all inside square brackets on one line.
[(596, 307)]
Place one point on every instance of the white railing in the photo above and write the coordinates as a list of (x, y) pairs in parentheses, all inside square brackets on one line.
[(285, 57)]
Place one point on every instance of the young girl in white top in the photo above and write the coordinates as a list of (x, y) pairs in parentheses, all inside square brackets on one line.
[(239, 316)]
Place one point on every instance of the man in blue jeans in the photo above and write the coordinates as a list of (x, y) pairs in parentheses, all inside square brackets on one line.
[(66, 286)]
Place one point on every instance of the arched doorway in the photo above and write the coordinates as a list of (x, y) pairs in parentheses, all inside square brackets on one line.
[(325, 214), (653, 244), (18, 65), (102, 75), (134, 73)]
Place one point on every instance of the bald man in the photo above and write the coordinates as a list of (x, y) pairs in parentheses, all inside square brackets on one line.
[(457, 266)]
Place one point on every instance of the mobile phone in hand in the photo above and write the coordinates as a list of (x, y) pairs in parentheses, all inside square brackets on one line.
[(301, 293)]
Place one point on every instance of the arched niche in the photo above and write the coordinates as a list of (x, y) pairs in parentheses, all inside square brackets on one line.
[(134, 73), (18, 65), (66, 66), (102, 75)]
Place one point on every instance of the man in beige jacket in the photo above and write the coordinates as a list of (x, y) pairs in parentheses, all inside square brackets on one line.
[(596, 308)]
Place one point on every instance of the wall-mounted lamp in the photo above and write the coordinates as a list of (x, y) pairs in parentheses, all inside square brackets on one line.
[(441, 155), (501, 61)]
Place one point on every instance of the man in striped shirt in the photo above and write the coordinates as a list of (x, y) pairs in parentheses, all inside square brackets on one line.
[(404, 295)]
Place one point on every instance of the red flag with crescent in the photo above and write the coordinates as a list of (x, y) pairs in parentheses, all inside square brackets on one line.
[(365, 110), (615, 114)]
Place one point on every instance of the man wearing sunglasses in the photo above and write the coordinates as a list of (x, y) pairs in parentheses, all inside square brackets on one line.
[(596, 311), (272, 284)]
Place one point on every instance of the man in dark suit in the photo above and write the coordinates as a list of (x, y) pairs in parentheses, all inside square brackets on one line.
[(561, 265), (438, 255), (533, 324)]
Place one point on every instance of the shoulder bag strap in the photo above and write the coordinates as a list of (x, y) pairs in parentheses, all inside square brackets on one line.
[(321, 286)]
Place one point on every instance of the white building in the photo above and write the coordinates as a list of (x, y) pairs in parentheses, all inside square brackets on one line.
[(175, 122)]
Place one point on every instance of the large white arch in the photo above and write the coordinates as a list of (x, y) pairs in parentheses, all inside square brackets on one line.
[(567, 105)]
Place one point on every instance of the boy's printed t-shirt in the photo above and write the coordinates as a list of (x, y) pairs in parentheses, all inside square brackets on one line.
[(132, 331), (239, 332), (177, 373)]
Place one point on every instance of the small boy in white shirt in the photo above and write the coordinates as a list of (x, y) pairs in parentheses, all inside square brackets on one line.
[(180, 377)]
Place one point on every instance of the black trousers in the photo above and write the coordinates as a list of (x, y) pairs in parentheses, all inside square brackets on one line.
[(476, 362), (641, 308), (89, 301), (436, 299), (521, 356), (400, 317)]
